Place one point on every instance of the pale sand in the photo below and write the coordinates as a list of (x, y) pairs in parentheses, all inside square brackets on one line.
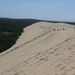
[(41, 50)]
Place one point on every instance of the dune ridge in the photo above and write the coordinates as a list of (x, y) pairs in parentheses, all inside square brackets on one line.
[(43, 49)]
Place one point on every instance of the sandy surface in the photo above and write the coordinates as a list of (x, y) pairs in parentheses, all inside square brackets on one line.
[(42, 49)]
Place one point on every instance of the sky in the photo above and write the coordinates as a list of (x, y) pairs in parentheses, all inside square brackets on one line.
[(52, 10)]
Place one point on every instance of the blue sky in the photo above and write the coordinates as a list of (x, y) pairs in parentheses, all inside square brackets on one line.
[(53, 10)]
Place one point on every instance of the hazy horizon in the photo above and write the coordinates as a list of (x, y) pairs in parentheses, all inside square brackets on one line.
[(50, 10)]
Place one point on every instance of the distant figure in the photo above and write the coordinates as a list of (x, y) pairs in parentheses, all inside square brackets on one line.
[(74, 28), (57, 29), (63, 29), (54, 29)]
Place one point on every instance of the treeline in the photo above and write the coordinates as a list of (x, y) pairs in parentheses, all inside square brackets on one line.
[(72, 23), (11, 29)]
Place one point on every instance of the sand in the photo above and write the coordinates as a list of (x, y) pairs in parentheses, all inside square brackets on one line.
[(42, 49)]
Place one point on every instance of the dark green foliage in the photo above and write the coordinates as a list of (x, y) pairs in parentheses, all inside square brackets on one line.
[(72, 23), (11, 29)]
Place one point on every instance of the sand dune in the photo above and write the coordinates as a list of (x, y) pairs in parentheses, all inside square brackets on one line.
[(42, 49)]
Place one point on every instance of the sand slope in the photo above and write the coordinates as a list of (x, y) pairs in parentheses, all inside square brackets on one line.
[(42, 49)]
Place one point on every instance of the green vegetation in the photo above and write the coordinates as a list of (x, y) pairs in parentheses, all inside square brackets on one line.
[(11, 29)]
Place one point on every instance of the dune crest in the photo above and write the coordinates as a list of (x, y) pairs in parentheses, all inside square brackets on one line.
[(42, 49)]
